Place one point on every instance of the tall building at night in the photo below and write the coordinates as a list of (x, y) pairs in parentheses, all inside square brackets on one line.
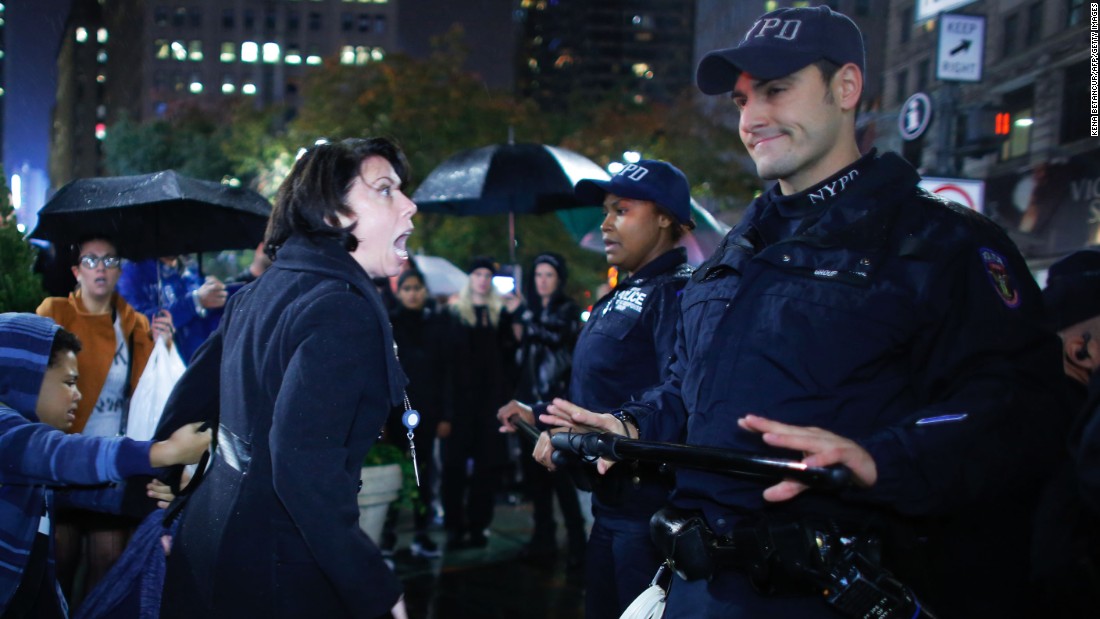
[(142, 57), (574, 52), (489, 34)]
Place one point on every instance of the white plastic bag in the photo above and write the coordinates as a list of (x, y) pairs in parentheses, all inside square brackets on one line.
[(651, 603), (161, 373)]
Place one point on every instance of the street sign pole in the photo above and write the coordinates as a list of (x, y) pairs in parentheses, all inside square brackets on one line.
[(960, 51), (945, 139)]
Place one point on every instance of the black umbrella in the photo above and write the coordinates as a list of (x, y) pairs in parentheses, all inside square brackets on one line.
[(506, 178), (152, 215)]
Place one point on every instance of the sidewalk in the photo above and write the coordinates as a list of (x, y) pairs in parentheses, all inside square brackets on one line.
[(491, 582)]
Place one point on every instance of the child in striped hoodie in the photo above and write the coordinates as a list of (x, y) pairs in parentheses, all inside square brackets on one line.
[(40, 465)]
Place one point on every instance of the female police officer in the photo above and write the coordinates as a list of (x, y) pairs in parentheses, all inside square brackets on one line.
[(624, 348)]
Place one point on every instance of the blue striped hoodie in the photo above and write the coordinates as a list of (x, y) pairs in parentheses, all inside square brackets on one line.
[(36, 460)]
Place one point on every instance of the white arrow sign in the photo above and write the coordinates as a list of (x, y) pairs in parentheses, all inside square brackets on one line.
[(961, 48)]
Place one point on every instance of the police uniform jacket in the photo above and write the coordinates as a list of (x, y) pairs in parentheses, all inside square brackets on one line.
[(625, 348), (301, 375), (870, 308)]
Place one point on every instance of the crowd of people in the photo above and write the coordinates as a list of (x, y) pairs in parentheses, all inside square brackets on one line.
[(849, 319)]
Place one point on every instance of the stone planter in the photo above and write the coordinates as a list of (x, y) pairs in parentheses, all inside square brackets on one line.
[(381, 485)]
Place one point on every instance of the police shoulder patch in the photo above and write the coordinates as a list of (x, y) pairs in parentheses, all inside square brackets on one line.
[(997, 268)]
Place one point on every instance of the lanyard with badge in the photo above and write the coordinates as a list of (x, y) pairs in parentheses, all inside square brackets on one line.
[(410, 419)]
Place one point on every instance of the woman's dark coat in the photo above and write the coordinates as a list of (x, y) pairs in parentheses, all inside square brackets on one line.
[(304, 366)]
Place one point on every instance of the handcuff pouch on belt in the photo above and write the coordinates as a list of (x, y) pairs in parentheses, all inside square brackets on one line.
[(788, 556), (776, 556)]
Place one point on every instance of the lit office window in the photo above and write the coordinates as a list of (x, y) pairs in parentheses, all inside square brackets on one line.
[(161, 48), (228, 87), (249, 51), (196, 87), (101, 35), (179, 52), (293, 56), (314, 59), (347, 55), (1018, 143), (229, 52), (248, 89), (194, 50), (81, 34), (271, 52), (377, 54)]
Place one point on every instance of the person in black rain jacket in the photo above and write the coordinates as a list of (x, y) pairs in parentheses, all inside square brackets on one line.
[(550, 321)]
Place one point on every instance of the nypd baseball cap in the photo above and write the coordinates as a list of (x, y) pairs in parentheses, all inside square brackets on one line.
[(656, 181), (1072, 293), (780, 43)]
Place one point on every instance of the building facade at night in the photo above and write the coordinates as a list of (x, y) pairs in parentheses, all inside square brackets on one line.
[(573, 53), (143, 57), (1022, 129)]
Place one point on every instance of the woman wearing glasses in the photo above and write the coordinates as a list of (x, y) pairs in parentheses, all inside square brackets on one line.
[(117, 342)]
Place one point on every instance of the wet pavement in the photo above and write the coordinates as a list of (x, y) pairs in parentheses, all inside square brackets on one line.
[(490, 582)]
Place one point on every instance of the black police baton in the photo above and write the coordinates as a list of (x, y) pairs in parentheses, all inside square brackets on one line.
[(580, 477), (731, 462), (527, 429)]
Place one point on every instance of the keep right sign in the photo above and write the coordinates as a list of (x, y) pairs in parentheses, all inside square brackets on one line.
[(961, 48)]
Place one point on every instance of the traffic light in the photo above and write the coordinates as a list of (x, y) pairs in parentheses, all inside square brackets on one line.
[(983, 129)]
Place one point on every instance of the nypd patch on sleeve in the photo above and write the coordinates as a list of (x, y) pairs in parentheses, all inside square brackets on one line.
[(997, 268)]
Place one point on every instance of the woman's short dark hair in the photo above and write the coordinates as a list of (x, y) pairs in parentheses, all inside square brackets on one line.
[(317, 188)]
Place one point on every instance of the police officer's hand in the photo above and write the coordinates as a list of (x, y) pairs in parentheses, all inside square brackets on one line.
[(543, 452), (513, 409), (565, 414), (819, 448)]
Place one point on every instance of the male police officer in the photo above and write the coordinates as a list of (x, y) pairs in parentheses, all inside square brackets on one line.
[(850, 317)]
